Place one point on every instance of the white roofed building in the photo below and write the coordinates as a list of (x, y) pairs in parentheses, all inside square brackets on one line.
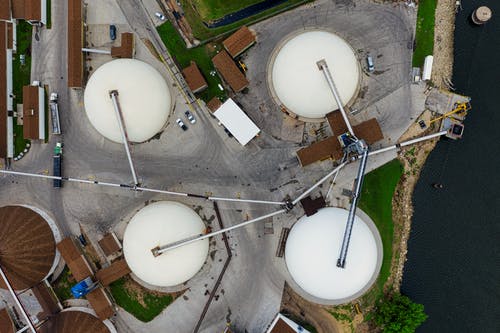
[(236, 122)]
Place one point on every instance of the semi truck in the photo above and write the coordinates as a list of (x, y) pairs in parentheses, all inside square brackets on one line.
[(54, 112), (57, 183)]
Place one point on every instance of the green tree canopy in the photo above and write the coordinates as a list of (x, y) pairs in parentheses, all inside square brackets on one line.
[(398, 314)]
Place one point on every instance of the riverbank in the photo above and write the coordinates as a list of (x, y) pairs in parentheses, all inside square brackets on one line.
[(413, 158), (444, 31)]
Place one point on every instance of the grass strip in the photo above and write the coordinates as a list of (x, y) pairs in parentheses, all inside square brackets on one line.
[(424, 35)]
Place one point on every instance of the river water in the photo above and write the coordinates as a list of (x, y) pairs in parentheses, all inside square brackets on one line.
[(453, 265)]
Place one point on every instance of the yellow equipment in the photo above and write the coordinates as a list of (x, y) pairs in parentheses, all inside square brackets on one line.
[(459, 107)]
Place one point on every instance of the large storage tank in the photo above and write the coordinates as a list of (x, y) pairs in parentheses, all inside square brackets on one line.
[(297, 83), (27, 246), (159, 224), (144, 99), (312, 250)]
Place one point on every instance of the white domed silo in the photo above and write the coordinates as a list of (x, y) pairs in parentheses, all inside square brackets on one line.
[(159, 224), (296, 82), (145, 100), (312, 250)]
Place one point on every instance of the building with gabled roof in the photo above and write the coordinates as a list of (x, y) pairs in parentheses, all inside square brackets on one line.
[(34, 112), (33, 11), (194, 78), (229, 72), (240, 41)]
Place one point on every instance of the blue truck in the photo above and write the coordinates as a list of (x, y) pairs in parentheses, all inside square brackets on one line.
[(57, 183)]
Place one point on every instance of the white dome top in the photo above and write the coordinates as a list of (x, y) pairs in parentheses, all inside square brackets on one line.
[(143, 96), (159, 224), (312, 250), (301, 86)]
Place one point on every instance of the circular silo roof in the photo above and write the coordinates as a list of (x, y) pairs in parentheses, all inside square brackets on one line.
[(298, 83), (312, 250), (144, 99), (159, 224), (27, 246), (74, 321)]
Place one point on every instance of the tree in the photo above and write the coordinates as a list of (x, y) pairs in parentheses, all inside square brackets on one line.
[(398, 314)]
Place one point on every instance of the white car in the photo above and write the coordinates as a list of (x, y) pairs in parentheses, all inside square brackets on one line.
[(160, 16), (190, 117), (181, 124), (54, 97)]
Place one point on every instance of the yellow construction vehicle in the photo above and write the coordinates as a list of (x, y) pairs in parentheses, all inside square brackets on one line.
[(458, 108)]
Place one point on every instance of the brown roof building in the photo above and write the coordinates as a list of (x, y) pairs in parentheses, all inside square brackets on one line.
[(238, 42), (337, 123), (112, 273), (110, 244), (74, 322), (27, 247), (369, 131), (77, 264), (127, 47), (194, 78), (3, 89), (328, 148), (5, 10), (214, 104), (75, 44), (6, 323), (30, 10), (101, 303), (47, 301), (34, 112), (230, 73)]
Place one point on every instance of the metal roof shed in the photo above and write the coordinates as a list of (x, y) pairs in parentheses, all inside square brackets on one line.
[(237, 122)]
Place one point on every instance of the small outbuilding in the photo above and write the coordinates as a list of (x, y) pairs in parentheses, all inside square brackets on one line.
[(240, 41), (229, 72), (34, 112), (194, 78), (126, 48)]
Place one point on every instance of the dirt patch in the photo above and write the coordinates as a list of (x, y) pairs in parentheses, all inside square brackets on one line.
[(139, 292), (444, 28)]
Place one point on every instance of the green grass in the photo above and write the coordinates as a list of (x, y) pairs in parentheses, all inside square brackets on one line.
[(424, 36), (376, 200), (49, 14), (62, 286), (153, 305), (214, 9), (201, 32), (202, 55), (21, 77)]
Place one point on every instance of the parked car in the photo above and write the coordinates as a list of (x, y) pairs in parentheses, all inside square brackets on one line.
[(369, 62), (422, 124), (160, 16), (54, 97), (181, 124), (190, 117), (112, 32), (228, 133)]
